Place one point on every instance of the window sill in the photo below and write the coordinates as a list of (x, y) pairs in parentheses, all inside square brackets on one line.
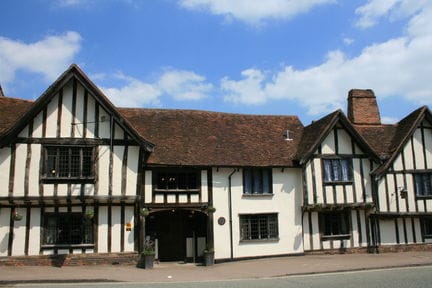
[(187, 191), (421, 197), (66, 180), (270, 240), (66, 246), (332, 183), (263, 195), (336, 237)]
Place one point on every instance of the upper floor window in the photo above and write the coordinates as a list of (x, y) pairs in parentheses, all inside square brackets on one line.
[(337, 170), (259, 227), (257, 181), (67, 229), (335, 224), (423, 184), (177, 181), (68, 162)]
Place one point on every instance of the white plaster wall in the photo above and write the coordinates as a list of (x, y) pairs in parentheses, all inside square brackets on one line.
[(117, 170), (286, 202), (4, 230), (115, 228), (148, 187), (132, 170), (34, 171), (66, 116), (204, 186), (103, 172), (428, 147), (309, 182), (35, 231), (103, 230), (318, 180), (344, 142), (418, 150), (18, 245), (104, 127), (4, 172), (118, 132), (37, 125), (51, 121), (328, 145), (19, 176), (79, 112), (91, 117), (129, 235)]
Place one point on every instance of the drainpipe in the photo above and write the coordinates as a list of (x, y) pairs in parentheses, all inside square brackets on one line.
[(230, 213)]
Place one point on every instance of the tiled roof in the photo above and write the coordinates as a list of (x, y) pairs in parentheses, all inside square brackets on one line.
[(201, 138), (379, 137), (11, 109)]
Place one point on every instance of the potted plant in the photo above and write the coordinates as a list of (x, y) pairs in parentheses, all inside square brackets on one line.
[(144, 212), (210, 209), (147, 256), (16, 216), (89, 214), (208, 255)]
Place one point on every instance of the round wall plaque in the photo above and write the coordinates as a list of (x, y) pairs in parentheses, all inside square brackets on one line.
[(221, 220)]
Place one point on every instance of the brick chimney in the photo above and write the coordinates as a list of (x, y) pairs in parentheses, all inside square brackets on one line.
[(363, 107)]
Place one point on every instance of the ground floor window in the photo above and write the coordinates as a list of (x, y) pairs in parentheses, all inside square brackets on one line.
[(427, 227), (334, 224), (67, 229), (259, 227)]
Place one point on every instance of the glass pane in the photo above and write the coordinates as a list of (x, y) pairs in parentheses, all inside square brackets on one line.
[(266, 181), (345, 170), (257, 181), (75, 163), (327, 170), (51, 164), (87, 156), (247, 181)]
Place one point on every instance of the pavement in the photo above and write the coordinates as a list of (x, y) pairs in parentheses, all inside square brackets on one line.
[(245, 269)]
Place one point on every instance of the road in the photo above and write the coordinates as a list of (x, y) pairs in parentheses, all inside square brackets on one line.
[(411, 277)]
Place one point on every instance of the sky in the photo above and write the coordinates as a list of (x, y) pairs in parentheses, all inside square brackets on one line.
[(281, 57)]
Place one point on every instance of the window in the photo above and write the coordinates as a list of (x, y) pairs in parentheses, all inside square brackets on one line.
[(184, 181), (257, 181), (335, 224), (427, 227), (337, 170), (423, 184), (67, 229), (68, 162), (259, 227)]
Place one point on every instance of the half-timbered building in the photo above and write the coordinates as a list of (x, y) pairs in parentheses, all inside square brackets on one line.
[(77, 173)]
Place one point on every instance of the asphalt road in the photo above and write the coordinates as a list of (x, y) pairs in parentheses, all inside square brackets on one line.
[(411, 277)]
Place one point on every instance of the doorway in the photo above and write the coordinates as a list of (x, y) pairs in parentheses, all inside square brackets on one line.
[(179, 233)]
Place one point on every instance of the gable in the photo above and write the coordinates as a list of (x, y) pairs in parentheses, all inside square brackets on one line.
[(339, 141), (73, 107)]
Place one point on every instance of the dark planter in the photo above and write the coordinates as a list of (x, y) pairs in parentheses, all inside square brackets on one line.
[(146, 261), (208, 258)]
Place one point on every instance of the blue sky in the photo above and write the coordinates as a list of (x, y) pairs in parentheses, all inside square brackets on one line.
[(284, 57)]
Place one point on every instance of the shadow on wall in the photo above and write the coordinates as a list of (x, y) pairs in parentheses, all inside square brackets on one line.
[(4, 243)]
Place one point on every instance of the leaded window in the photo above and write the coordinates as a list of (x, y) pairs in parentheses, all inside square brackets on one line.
[(337, 170), (335, 224), (67, 229), (68, 162), (423, 184), (259, 227), (177, 181), (257, 181)]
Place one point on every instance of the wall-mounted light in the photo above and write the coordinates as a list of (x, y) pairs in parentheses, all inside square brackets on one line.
[(403, 192)]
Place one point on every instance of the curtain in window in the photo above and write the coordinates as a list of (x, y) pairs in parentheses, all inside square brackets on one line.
[(247, 181), (266, 181), (344, 170), (328, 170)]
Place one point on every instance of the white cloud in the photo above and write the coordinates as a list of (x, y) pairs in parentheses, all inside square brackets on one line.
[(134, 94), (49, 56), (371, 12), (254, 11), (181, 85), (184, 85), (348, 41), (400, 66)]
